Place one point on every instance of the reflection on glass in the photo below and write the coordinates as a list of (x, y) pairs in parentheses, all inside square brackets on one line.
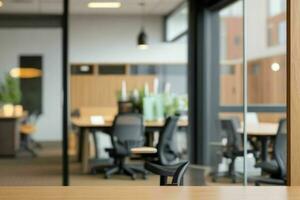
[(231, 53), (266, 53)]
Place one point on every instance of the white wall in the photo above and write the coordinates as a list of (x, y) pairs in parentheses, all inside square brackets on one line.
[(113, 39), (45, 42)]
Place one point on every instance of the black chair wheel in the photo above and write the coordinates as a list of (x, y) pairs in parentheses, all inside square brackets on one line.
[(214, 179), (133, 177), (93, 171), (106, 176)]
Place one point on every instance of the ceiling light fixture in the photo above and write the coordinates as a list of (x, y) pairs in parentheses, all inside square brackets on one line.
[(142, 37), (104, 5), (142, 40), (275, 67), (28, 72), (1, 4)]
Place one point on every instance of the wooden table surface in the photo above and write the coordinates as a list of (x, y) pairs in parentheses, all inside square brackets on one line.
[(261, 129), (150, 193), (25, 114), (108, 122)]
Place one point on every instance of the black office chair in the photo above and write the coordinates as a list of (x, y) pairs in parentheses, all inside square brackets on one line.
[(166, 147), (233, 147), (127, 132), (27, 129), (164, 171), (166, 162), (276, 168)]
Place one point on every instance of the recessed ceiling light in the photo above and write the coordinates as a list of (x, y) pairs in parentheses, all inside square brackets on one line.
[(1, 4), (104, 5)]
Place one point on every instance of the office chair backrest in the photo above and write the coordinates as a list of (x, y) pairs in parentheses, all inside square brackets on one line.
[(166, 152), (128, 128), (179, 174), (230, 126), (280, 148)]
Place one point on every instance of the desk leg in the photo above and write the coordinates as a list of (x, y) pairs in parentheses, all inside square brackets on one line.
[(149, 138), (80, 143), (264, 148), (85, 151)]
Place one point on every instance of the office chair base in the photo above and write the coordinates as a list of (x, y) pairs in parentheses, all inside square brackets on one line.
[(27, 146), (216, 175), (269, 181), (27, 149), (126, 170)]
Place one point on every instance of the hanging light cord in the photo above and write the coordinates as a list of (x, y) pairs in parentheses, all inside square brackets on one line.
[(142, 4)]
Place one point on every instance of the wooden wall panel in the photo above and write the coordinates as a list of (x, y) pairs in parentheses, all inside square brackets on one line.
[(101, 91), (262, 117), (231, 87), (294, 92)]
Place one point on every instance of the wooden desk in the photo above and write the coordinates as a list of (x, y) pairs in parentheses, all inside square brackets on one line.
[(85, 126), (263, 131), (150, 193), (108, 122), (10, 134)]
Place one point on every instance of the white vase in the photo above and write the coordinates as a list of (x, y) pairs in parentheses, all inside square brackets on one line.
[(18, 110), (8, 110)]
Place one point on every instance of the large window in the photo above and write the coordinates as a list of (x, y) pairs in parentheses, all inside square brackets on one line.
[(176, 23), (266, 65), (276, 22)]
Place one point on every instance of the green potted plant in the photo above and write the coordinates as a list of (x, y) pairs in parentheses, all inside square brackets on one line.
[(10, 95)]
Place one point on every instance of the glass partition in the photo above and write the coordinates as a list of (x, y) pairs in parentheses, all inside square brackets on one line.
[(111, 77), (266, 81), (30, 93), (176, 24)]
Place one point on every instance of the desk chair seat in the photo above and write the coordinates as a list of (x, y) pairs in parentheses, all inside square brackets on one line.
[(127, 133), (164, 171), (168, 170), (270, 167)]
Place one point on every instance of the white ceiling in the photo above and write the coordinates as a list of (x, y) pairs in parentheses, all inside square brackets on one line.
[(129, 7)]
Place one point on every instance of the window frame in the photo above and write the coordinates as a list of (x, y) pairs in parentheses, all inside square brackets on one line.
[(180, 35)]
